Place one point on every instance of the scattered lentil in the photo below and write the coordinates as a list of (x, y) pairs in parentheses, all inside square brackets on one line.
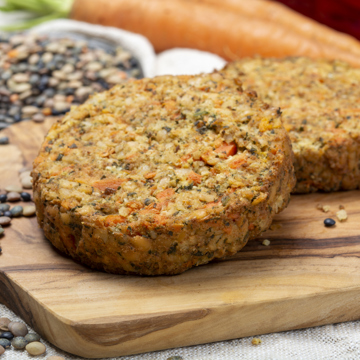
[(13, 188), (25, 196), (329, 222), (26, 182), (35, 348), (256, 341), (341, 207), (5, 343), (31, 337), (24, 174), (4, 220), (4, 140), (61, 106), (29, 110), (11, 323), (6, 335), (8, 214), (39, 117), (17, 211), (18, 328), (18, 88), (4, 322), (29, 210), (20, 77), (2, 350), (342, 215), (13, 196), (25, 169), (19, 342), (266, 242)]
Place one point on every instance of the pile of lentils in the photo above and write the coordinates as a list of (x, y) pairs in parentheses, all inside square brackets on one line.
[(15, 334), (13, 194), (43, 76)]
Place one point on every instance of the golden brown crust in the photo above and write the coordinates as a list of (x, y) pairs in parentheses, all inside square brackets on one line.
[(159, 175), (321, 111)]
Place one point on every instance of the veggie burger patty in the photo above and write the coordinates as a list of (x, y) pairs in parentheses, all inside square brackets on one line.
[(320, 100), (158, 175)]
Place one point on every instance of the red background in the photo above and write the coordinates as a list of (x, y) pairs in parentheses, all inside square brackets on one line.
[(342, 15)]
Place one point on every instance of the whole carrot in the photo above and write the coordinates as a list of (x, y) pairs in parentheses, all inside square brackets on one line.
[(176, 23), (282, 15)]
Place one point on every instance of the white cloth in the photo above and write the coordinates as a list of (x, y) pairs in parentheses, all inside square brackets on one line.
[(187, 62), (330, 342)]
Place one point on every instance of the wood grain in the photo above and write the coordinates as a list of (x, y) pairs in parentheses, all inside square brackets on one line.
[(309, 275)]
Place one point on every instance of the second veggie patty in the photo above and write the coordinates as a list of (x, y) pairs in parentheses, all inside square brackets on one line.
[(320, 101)]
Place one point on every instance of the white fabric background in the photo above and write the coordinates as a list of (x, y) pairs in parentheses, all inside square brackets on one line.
[(331, 342)]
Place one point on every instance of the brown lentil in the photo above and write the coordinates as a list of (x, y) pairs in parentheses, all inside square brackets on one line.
[(26, 182), (13, 196), (24, 174), (11, 323), (4, 322), (4, 220), (29, 210), (18, 329), (35, 348), (13, 188)]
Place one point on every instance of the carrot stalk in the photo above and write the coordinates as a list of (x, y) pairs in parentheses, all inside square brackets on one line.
[(43, 10)]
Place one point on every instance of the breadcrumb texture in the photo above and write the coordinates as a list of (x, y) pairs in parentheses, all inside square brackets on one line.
[(159, 175), (321, 111)]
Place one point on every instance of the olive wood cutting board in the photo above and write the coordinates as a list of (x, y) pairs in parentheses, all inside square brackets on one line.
[(309, 275)]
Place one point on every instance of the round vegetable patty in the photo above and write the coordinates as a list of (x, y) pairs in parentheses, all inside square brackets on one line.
[(158, 175)]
